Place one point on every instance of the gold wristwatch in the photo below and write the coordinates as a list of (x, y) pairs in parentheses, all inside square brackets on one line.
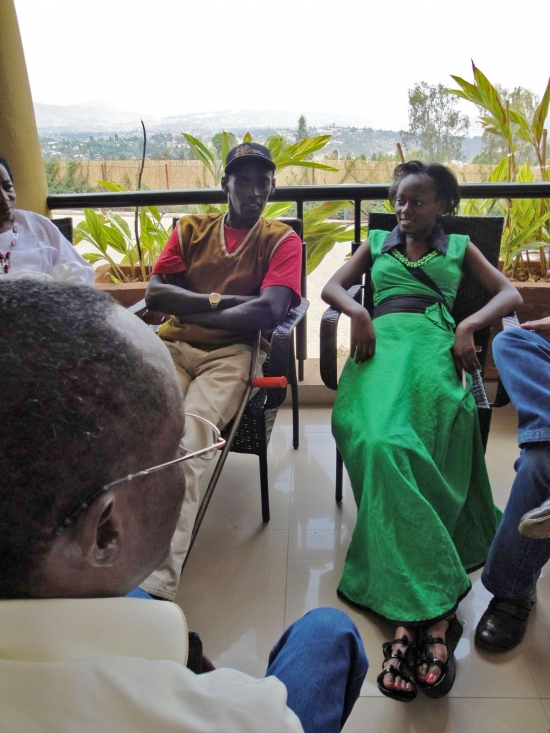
[(214, 299)]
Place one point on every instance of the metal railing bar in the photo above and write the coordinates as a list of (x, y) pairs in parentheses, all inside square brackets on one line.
[(344, 191)]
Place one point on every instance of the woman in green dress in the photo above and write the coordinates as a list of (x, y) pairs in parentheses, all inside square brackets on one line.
[(406, 424)]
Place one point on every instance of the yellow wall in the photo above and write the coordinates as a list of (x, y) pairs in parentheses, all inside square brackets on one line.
[(19, 142)]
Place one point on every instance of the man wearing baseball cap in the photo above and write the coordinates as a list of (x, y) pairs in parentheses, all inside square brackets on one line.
[(222, 277)]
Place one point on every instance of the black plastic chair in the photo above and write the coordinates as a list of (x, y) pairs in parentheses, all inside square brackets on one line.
[(485, 233)]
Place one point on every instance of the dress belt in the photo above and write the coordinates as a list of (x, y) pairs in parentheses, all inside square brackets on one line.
[(404, 304)]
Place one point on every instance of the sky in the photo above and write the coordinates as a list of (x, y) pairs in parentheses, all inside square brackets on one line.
[(170, 57)]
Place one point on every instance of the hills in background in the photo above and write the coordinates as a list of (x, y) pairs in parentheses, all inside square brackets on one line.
[(350, 135)]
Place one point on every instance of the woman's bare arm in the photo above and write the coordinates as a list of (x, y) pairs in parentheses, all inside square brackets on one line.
[(505, 299), (363, 338)]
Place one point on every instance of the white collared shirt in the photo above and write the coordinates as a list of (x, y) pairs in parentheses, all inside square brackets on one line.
[(41, 249), (118, 664)]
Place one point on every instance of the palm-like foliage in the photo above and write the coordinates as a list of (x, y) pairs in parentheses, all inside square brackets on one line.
[(527, 220), (111, 232)]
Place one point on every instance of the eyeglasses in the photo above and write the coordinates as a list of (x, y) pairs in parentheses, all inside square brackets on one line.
[(215, 443)]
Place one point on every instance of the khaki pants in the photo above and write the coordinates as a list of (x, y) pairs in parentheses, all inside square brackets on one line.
[(213, 384)]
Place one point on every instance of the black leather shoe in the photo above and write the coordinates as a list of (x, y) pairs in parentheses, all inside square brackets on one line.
[(503, 624)]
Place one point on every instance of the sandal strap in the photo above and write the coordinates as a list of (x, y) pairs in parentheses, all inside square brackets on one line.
[(408, 654), (396, 671), (435, 640), (431, 659)]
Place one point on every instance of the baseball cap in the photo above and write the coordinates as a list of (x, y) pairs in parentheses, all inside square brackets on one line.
[(247, 152)]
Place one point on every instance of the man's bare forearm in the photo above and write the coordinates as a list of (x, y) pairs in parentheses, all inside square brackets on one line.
[(263, 313), (167, 298)]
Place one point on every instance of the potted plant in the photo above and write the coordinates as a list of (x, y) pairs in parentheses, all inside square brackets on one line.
[(525, 256), (127, 260)]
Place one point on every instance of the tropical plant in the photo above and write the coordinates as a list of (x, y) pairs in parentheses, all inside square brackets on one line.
[(526, 221), (321, 233), (110, 233)]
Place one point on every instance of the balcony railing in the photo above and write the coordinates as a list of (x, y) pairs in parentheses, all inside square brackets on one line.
[(297, 194)]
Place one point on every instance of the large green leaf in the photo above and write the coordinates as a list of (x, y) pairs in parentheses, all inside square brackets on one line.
[(519, 118), (110, 186), (310, 145), (154, 212), (226, 146), (121, 223), (324, 211), (275, 143), (92, 257), (489, 96), (311, 164), (468, 90), (519, 240), (272, 211), (541, 113), (500, 173), (201, 152), (94, 226), (525, 174)]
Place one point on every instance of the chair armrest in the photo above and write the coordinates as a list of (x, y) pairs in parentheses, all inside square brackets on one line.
[(281, 350), (153, 319), (510, 321), (329, 332), (501, 397), (139, 309), (483, 408), (478, 391)]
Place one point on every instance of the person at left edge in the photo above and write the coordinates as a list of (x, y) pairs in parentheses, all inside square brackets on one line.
[(223, 277), (31, 246)]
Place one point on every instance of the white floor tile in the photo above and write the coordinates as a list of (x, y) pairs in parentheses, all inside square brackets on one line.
[(233, 593), (451, 715)]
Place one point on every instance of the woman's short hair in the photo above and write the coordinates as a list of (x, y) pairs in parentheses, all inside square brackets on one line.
[(5, 163), (445, 182)]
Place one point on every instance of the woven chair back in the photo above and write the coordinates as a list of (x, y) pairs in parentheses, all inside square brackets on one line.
[(485, 232), (65, 226)]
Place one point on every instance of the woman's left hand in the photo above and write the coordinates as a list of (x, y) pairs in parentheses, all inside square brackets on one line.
[(464, 349)]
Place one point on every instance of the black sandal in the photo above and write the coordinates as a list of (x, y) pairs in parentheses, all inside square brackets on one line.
[(448, 668), (404, 658)]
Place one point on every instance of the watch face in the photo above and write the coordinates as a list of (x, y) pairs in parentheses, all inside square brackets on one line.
[(215, 299)]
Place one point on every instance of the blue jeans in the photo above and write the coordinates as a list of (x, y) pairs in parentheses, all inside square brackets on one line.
[(514, 563), (322, 663)]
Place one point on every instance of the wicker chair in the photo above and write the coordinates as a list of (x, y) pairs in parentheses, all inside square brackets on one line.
[(486, 233), (65, 226)]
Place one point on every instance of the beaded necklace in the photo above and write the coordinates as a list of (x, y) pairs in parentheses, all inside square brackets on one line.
[(419, 263), (5, 258)]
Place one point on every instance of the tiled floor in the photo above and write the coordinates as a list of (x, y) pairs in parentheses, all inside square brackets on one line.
[(246, 582)]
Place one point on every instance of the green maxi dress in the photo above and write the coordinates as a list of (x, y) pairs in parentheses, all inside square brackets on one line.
[(409, 436)]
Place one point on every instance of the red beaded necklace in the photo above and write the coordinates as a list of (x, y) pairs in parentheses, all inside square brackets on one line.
[(5, 258)]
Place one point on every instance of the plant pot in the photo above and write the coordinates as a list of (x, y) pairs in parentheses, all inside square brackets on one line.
[(126, 294), (536, 305)]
